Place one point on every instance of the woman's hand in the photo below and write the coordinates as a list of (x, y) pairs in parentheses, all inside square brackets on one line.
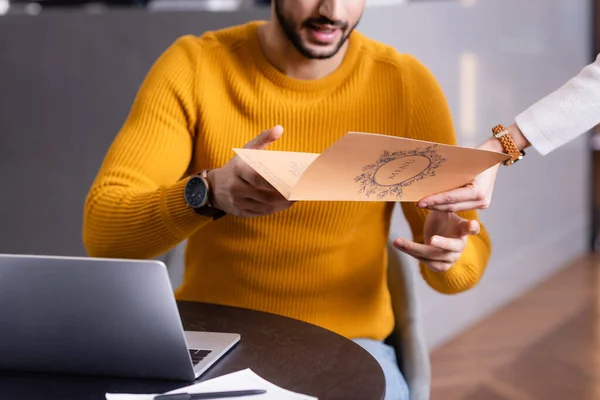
[(477, 194)]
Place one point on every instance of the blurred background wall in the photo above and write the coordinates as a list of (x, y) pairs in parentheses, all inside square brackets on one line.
[(68, 78)]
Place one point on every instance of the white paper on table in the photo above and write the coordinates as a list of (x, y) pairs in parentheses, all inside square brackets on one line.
[(242, 380)]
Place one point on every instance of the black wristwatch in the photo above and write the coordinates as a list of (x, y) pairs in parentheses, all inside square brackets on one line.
[(197, 196)]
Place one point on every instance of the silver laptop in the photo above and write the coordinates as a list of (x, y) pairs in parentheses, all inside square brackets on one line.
[(97, 316)]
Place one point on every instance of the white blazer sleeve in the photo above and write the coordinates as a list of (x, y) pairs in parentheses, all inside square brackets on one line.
[(564, 114)]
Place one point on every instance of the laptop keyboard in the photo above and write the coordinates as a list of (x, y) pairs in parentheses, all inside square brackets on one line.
[(198, 355)]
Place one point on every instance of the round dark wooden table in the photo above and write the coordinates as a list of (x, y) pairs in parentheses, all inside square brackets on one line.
[(292, 354)]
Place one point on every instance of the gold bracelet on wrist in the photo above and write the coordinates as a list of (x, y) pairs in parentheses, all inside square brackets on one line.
[(508, 144)]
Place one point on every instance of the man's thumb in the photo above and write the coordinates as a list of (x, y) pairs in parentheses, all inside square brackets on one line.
[(467, 227), (265, 138)]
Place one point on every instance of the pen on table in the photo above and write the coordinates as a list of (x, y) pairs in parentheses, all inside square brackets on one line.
[(206, 396)]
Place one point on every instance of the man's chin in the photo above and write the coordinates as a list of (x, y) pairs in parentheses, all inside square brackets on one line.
[(321, 51)]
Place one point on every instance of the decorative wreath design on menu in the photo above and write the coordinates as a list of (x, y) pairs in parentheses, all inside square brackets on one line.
[(395, 170)]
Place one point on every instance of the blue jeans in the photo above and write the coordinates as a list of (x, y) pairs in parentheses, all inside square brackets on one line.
[(395, 384)]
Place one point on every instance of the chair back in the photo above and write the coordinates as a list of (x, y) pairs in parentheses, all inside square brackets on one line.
[(408, 338)]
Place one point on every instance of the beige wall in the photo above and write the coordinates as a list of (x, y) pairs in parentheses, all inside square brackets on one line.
[(494, 58)]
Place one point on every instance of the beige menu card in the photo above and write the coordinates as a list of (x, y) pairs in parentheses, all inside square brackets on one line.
[(370, 167)]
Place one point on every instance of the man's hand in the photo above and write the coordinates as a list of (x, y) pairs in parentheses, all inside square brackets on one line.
[(445, 239), (241, 191)]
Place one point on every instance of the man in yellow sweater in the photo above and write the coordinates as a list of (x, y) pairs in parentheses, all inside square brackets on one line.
[(171, 174)]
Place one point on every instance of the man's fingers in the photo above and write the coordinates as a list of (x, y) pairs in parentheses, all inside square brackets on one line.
[(255, 200), (269, 196), (471, 227), (438, 266), (265, 138), (411, 248), (425, 252), (250, 207), (442, 262), (448, 244), (454, 196), (245, 190), (250, 176), (464, 227)]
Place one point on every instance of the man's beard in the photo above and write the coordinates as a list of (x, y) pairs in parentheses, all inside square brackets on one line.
[(294, 36)]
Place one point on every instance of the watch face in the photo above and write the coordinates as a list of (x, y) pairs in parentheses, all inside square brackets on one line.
[(195, 192)]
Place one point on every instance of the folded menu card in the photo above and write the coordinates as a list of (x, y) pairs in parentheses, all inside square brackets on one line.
[(370, 167), (242, 380)]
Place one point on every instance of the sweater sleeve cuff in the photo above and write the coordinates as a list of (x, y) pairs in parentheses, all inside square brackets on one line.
[(181, 220)]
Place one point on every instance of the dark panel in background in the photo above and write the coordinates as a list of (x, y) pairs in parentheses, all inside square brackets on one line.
[(68, 80), (595, 234)]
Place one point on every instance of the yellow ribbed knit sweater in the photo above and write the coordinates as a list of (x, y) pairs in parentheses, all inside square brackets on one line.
[(321, 262)]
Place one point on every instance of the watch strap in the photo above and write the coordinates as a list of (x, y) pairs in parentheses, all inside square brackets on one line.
[(508, 144), (208, 211)]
